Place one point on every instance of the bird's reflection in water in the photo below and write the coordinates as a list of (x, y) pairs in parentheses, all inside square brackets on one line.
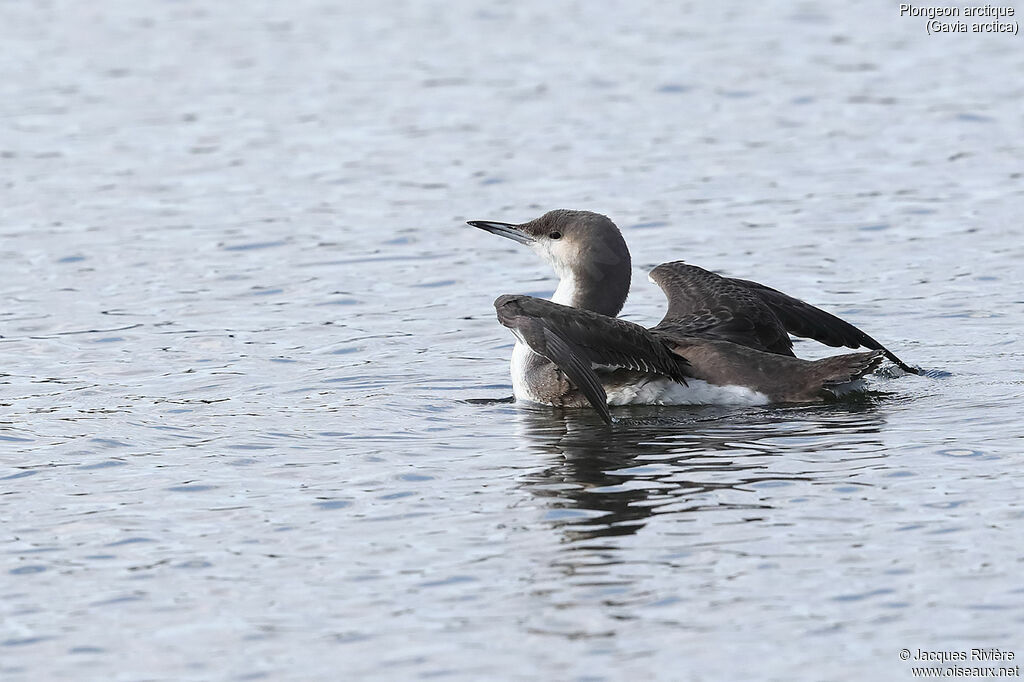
[(605, 482)]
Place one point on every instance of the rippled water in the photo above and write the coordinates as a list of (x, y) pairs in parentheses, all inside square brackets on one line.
[(247, 342)]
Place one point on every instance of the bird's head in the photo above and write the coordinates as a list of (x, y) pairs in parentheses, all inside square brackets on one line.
[(586, 251)]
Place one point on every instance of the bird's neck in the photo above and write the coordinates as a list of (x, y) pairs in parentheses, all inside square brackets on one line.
[(602, 290)]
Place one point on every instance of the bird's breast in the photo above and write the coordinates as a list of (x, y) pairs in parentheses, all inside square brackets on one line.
[(520, 379)]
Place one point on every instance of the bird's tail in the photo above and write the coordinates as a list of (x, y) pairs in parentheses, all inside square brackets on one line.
[(835, 372)]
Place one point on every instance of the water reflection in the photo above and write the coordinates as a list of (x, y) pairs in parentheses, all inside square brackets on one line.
[(610, 482)]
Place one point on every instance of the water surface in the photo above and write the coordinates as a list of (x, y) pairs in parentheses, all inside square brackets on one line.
[(246, 333)]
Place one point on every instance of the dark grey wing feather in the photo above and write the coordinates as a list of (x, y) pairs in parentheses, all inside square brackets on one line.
[(579, 371), (604, 340), (576, 339), (803, 319), (705, 304), (545, 340)]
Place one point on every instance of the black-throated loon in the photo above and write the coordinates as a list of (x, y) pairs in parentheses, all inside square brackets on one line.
[(722, 340)]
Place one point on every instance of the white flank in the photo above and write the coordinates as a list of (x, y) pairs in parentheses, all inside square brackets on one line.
[(663, 391)]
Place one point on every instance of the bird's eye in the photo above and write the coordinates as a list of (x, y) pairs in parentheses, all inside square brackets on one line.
[(555, 235)]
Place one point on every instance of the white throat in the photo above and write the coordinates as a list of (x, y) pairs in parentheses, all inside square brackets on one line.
[(559, 255), (565, 294)]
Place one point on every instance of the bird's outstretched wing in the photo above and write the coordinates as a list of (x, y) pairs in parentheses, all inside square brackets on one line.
[(751, 314), (576, 340), (704, 304)]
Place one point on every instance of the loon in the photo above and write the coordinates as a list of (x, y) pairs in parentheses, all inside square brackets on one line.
[(722, 340)]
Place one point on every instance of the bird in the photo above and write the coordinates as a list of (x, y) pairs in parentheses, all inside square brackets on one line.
[(722, 340)]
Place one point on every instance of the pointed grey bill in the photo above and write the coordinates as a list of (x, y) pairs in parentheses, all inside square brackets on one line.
[(503, 229)]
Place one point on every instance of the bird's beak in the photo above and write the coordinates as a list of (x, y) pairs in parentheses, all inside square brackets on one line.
[(509, 230)]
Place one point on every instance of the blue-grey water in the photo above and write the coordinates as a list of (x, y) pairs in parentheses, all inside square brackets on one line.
[(246, 339)]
